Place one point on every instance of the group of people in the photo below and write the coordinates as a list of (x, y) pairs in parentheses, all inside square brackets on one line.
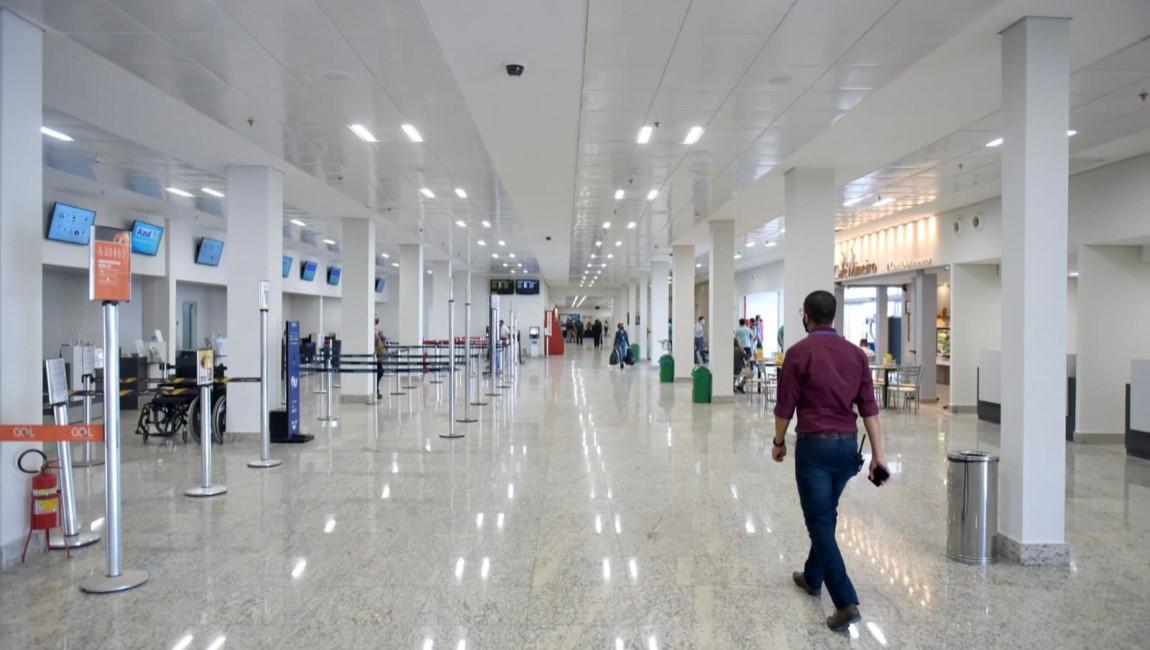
[(575, 330)]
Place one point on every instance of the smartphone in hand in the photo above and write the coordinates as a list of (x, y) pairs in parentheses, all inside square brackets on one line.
[(879, 475)]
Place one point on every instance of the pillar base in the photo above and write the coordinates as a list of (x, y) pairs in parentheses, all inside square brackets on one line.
[(1033, 554), (104, 584), (57, 541)]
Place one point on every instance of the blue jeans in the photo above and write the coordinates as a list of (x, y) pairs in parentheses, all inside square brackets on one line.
[(822, 468), (700, 350)]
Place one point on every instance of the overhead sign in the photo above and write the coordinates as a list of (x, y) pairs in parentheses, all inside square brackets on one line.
[(110, 265), (51, 432)]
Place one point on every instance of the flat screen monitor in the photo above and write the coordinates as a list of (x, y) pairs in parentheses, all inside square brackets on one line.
[(307, 270), (209, 252), (70, 224), (333, 273), (146, 238), (287, 265), (502, 287), (527, 287), (380, 283)]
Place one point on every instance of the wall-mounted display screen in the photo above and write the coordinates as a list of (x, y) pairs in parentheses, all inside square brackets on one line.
[(70, 224), (287, 265), (380, 284), (146, 238), (209, 252), (307, 270), (527, 287), (333, 273), (502, 287)]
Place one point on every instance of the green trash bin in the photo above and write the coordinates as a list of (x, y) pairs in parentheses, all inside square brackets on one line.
[(701, 385), (666, 369), (634, 353)]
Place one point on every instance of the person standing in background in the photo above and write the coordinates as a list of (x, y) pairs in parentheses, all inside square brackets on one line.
[(745, 337), (579, 331), (622, 345), (700, 341), (380, 355)]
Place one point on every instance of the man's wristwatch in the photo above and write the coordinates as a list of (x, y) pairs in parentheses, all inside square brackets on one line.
[(782, 444)]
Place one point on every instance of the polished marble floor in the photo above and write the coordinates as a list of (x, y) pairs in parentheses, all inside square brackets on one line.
[(589, 508)]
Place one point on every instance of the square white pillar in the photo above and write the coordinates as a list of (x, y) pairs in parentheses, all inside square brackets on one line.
[(1035, 112), (254, 252), (683, 309), (882, 323), (358, 302), (21, 276), (660, 274), (643, 317), (975, 325), (721, 310), (925, 331), (440, 291), (411, 294), (840, 302), (810, 202)]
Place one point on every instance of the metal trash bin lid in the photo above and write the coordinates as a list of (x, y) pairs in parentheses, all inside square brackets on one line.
[(971, 456)]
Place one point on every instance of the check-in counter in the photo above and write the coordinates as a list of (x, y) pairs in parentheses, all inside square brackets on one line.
[(989, 388), (1138, 409)]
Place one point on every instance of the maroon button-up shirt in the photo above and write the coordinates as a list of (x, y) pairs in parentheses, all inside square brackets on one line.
[(825, 377)]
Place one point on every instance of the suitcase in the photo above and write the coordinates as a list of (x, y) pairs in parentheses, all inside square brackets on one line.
[(614, 360)]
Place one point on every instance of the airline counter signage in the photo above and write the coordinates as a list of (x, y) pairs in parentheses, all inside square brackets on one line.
[(110, 265)]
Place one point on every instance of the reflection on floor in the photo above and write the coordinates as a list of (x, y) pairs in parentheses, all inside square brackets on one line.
[(589, 508)]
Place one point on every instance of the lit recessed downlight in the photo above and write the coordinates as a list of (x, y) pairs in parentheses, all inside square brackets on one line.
[(618, 243), (881, 202), (461, 193), (178, 192), (610, 256), (631, 225), (502, 243), (593, 256), (210, 192), (699, 265), (384, 255), (395, 264), (693, 135), (298, 223), (994, 143), (645, 134), (362, 133), (481, 242), (486, 223), (412, 133), (1071, 133), (461, 223), (750, 244), (598, 243), (738, 256), (53, 133), (427, 192), (495, 256), (618, 195), (772, 244), (329, 242), (851, 202), (652, 195), (606, 225), (505, 265), (511, 255)]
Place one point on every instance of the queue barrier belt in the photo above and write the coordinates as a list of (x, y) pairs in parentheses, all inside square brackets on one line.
[(51, 432)]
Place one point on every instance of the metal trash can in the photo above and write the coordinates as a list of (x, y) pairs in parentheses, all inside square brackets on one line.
[(972, 513)]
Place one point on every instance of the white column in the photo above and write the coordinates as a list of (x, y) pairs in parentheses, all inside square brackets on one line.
[(1035, 112), (660, 273), (159, 296), (721, 310), (358, 301), (411, 294), (882, 324), (925, 332), (21, 276), (975, 325), (810, 255), (841, 302), (440, 288), (255, 252), (643, 331), (683, 310)]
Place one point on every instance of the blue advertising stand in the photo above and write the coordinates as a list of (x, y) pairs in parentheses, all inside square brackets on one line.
[(290, 432)]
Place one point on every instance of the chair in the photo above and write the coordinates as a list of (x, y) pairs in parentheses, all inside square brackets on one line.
[(878, 378), (905, 384)]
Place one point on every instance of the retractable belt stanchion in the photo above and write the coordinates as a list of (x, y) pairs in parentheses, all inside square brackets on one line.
[(265, 460), (451, 432), (115, 578), (89, 384), (330, 371), (435, 378), (468, 367), (69, 534), (205, 369), (398, 389), (492, 352), (320, 390)]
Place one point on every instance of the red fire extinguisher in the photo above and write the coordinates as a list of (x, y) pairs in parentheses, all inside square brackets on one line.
[(44, 501)]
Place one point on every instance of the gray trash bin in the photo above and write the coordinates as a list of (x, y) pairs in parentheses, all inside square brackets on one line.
[(972, 518)]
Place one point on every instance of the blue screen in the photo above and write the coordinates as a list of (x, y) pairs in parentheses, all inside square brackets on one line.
[(333, 273), (287, 266), (380, 283), (307, 272), (527, 287), (210, 252), (146, 238), (70, 224)]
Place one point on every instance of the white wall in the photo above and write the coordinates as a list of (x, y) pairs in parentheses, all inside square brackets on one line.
[(68, 314), (1114, 303), (211, 311), (975, 325)]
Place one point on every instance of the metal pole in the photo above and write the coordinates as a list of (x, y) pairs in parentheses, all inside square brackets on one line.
[(492, 348), (329, 417), (265, 459), (435, 378), (114, 579), (89, 386), (324, 351), (205, 488), (468, 363), (451, 432), (398, 389), (71, 536)]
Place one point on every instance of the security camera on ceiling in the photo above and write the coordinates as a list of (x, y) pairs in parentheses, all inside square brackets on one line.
[(515, 69)]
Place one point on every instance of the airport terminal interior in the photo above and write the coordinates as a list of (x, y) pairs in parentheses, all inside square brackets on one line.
[(453, 325)]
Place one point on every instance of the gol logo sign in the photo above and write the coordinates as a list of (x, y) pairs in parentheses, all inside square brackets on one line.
[(22, 432), (82, 433)]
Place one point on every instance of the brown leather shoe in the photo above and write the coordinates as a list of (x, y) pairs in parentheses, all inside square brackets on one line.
[(801, 583), (842, 618)]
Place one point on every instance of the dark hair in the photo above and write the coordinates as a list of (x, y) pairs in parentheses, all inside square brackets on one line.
[(742, 322), (820, 307)]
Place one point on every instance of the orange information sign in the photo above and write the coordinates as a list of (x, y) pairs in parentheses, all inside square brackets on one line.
[(51, 432), (110, 265)]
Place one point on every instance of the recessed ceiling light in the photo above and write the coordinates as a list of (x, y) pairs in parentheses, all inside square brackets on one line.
[(855, 201), (461, 223), (610, 256), (693, 135), (593, 256), (1071, 133), (298, 223), (618, 242), (772, 244), (511, 255), (699, 265), (652, 195), (878, 204), (589, 265), (631, 225), (606, 225), (395, 264), (495, 255), (385, 256), (412, 133), (1074, 274), (502, 243), (178, 192), (645, 134), (210, 192), (519, 264), (486, 223), (460, 192), (481, 242), (429, 271), (738, 256), (329, 242), (362, 133), (603, 265), (53, 133), (618, 195), (505, 265), (512, 271), (598, 243), (994, 143), (427, 192), (750, 244)]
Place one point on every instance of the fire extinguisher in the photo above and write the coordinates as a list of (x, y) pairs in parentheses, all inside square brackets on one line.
[(44, 501)]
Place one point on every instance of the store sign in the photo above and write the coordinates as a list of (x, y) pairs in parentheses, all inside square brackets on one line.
[(848, 270), (906, 265), (110, 265)]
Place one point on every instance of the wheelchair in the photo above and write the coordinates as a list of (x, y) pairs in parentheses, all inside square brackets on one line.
[(175, 410)]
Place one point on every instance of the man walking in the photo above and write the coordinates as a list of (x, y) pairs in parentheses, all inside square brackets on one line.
[(825, 377), (700, 341)]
